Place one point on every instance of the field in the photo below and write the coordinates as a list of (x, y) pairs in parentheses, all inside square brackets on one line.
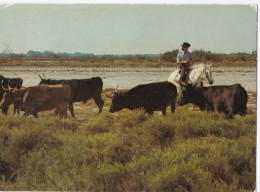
[(129, 151), (127, 77)]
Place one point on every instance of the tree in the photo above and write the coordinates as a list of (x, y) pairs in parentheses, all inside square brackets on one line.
[(8, 50), (170, 56)]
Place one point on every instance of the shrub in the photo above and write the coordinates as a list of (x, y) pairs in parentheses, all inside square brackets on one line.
[(130, 151)]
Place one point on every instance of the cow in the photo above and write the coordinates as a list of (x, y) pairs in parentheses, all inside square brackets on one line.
[(83, 90), (32, 100), (15, 83), (9, 83), (231, 99), (151, 97)]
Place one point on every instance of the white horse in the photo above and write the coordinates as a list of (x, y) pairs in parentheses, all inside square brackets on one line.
[(199, 73)]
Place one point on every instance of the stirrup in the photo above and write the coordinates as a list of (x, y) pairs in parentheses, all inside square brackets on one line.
[(182, 83)]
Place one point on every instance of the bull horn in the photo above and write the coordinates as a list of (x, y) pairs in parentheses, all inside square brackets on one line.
[(211, 64), (43, 75), (3, 86), (116, 88), (40, 77), (109, 96)]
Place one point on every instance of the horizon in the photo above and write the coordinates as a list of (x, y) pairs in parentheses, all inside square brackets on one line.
[(59, 52), (127, 29)]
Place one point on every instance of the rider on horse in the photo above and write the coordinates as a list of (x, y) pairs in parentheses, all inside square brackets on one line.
[(186, 59)]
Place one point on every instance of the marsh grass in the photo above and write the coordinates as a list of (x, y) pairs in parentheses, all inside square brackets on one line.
[(128, 151)]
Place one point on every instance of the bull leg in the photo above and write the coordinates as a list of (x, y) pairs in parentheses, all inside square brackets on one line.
[(35, 114), (59, 111), (65, 108), (55, 112), (4, 110), (99, 102), (65, 114), (26, 114), (71, 110), (164, 111), (229, 114), (243, 111), (150, 113), (16, 109), (216, 107)]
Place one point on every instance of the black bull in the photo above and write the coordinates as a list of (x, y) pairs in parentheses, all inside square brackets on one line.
[(7, 83), (82, 90), (231, 99), (151, 97)]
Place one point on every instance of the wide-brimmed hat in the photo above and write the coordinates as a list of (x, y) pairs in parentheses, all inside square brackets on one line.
[(185, 44)]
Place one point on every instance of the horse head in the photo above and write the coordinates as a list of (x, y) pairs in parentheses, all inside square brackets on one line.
[(208, 74)]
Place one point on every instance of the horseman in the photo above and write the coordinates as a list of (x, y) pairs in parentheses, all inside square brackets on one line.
[(185, 58)]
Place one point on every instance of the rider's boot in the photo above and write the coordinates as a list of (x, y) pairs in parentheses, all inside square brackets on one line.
[(182, 78)]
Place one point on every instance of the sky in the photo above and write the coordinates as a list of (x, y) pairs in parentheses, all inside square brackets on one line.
[(127, 29)]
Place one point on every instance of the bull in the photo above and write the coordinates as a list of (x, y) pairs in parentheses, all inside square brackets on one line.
[(9, 83), (151, 97), (32, 100), (231, 99), (82, 89)]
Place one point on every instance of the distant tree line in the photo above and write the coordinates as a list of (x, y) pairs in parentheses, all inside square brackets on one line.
[(170, 56), (203, 56)]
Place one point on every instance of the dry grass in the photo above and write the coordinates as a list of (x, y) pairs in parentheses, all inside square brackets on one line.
[(129, 151)]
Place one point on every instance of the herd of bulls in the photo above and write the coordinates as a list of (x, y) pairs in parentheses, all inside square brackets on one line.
[(61, 94)]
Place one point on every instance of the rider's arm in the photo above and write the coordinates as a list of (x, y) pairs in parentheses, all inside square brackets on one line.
[(178, 59), (192, 59)]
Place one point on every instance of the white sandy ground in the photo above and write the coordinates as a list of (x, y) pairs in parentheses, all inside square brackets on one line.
[(129, 79)]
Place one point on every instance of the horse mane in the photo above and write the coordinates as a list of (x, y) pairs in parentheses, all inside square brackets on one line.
[(197, 65)]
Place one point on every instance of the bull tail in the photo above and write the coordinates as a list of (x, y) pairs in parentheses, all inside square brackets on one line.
[(71, 97)]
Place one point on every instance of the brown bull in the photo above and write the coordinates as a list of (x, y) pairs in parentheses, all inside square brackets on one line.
[(32, 100)]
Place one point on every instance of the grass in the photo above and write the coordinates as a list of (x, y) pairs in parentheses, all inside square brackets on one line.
[(128, 151)]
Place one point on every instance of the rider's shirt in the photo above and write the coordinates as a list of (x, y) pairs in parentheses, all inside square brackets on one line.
[(185, 56)]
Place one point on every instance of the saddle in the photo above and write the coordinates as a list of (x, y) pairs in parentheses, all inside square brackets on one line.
[(177, 79)]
